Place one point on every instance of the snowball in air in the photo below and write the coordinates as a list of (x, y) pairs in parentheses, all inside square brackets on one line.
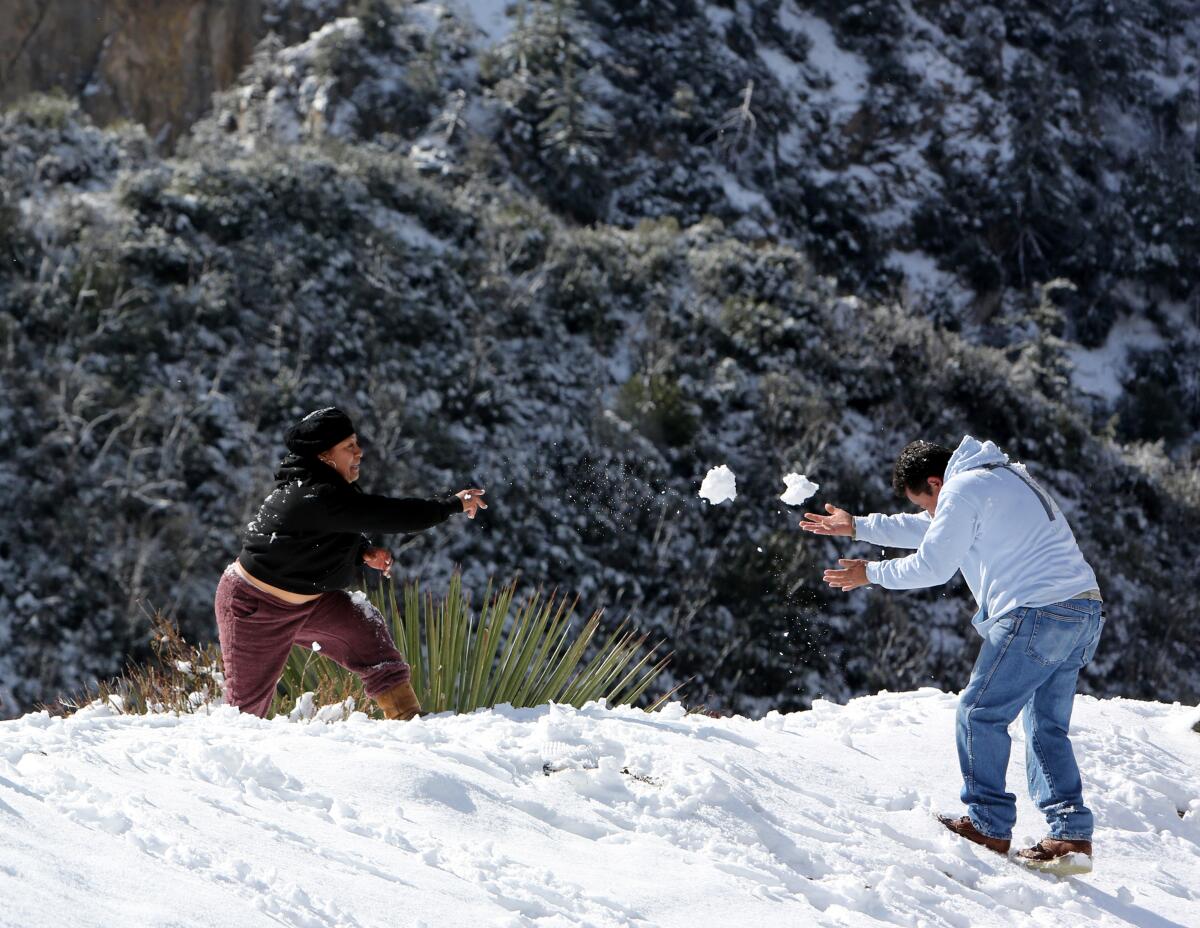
[(799, 488), (719, 485)]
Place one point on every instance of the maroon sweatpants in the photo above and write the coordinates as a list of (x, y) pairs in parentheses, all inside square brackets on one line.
[(257, 631)]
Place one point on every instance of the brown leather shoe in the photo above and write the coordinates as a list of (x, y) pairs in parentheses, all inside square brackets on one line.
[(1058, 856), (965, 828), (400, 702)]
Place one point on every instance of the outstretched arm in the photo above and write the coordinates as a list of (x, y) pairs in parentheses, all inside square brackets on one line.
[(381, 558), (904, 530), (366, 512), (946, 542), (899, 531)]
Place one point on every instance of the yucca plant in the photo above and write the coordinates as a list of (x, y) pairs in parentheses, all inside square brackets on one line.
[(525, 653), (526, 656)]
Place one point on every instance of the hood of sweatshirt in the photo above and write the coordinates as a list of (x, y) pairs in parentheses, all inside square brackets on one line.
[(304, 467), (972, 453)]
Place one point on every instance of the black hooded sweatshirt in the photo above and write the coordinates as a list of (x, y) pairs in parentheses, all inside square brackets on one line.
[(308, 536)]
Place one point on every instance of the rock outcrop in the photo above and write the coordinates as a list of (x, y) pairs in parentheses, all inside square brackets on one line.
[(154, 63)]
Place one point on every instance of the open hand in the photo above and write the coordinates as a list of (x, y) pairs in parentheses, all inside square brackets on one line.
[(838, 522), (852, 575), (472, 501), (379, 558)]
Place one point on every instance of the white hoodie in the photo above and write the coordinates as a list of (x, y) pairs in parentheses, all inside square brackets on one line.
[(996, 525)]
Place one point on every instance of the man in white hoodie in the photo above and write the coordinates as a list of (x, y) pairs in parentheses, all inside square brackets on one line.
[(1040, 617)]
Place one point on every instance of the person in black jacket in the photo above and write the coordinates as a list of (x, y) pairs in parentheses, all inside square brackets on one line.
[(300, 552)]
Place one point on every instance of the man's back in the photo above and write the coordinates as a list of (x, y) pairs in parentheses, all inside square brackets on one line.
[(1004, 532)]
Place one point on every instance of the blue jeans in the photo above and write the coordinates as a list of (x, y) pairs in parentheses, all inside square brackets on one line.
[(1030, 660)]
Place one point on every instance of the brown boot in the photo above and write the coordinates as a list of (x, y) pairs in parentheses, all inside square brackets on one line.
[(1058, 856), (965, 828), (400, 702)]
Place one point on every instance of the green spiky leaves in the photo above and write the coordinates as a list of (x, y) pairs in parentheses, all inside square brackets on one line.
[(524, 652)]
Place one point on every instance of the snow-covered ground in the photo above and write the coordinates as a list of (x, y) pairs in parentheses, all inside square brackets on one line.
[(816, 818)]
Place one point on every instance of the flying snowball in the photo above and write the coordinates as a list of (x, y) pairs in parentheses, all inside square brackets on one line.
[(719, 485), (799, 488)]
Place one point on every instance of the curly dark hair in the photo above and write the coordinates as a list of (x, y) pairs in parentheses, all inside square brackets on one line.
[(919, 461)]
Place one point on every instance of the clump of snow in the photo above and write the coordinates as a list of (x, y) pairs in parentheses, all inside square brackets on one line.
[(799, 488), (720, 18), (305, 708), (558, 816), (405, 228), (490, 16), (363, 604), (719, 485), (848, 72), (924, 282), (1102, 371), (742, 199), (345, 29)]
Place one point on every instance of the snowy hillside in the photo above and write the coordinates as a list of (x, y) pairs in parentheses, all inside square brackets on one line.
[(813, 818)]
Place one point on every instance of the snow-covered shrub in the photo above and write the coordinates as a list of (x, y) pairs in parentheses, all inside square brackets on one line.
[(554, 132), (1155, 404), (45, 111), (11, 236), (589, 285), (180, 678), (654, 404)]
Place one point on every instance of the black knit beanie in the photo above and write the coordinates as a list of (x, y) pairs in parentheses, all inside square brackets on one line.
[(319, 431)]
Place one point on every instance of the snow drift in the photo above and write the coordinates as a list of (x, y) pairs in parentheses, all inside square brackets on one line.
[(813, 818)]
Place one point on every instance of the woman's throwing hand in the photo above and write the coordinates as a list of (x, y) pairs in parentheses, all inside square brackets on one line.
[(472, 501)]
